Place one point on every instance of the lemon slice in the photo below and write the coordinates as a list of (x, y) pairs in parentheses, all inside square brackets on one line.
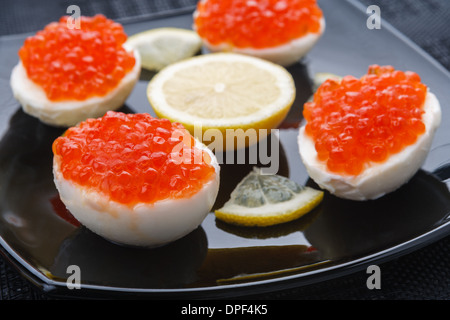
[(223, 91), (162, 46), (265, 200), (320, 78)]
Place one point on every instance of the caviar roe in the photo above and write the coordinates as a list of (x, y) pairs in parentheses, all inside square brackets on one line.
[(76, 64), (133, 158), (356, 122), (256, 24)]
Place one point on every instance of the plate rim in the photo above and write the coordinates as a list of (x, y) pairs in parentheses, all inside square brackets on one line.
[(60, 289)]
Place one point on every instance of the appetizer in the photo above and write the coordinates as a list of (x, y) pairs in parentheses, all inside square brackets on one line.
[(135, 179), (66, 75), (366, 137), (276, 30)]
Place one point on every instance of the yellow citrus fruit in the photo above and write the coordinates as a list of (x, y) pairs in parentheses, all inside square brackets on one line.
[(160, 47), (321, 77), (223, 91), (266, 200)]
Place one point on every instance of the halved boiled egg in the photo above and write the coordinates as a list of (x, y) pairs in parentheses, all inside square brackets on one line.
[(67, 74), (366, 137), (134, 179), (279, 31)]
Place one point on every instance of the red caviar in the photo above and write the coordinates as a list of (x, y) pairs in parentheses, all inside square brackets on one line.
[(256, 24), (133, 158), (356, 122), (76, 64)]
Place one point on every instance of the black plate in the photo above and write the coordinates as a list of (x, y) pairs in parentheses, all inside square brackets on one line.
[(218, 260)]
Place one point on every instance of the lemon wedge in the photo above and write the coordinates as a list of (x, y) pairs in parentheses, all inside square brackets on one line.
[(266, 200), (223, 91), (162, 46)]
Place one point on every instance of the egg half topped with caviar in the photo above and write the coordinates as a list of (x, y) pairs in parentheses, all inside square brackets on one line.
[(67, 74), (280, 31), (135, 179), (366, 137)]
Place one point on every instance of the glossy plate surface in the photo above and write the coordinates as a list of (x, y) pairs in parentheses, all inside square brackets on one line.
[(218, 260)]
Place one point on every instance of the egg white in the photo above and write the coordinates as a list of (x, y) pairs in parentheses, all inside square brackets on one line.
[(379, 178), (285, 55), (69, 113), (147, 225)]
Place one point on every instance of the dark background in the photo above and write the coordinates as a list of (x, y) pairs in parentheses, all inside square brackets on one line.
[(421, 275)]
